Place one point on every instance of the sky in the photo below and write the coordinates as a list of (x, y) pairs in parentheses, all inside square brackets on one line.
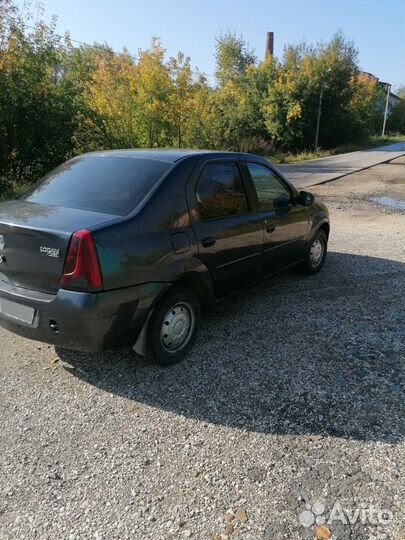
[(377, 27)]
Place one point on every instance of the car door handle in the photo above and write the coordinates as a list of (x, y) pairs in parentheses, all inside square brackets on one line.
[(208, 241), (270, 227)]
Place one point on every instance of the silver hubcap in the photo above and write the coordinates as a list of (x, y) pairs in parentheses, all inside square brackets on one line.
[(177, 327), (316, 253)]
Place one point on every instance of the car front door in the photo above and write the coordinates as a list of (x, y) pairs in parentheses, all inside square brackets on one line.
[(229, 233), (285, 223)]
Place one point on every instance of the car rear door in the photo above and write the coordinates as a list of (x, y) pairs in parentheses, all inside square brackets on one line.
[(285, 223), (228, 231)]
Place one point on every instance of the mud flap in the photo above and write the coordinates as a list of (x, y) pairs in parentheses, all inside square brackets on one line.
[(139, 347)]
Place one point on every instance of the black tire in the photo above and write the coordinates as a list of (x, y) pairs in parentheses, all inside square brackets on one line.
[(179, 306), (311, 265)]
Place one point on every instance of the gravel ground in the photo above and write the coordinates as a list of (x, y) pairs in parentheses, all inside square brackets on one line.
[(290, 405)]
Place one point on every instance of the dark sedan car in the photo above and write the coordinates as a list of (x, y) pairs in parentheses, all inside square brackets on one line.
[(127, 247)]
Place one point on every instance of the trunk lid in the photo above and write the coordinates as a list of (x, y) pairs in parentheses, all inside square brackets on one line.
[(34, 239)]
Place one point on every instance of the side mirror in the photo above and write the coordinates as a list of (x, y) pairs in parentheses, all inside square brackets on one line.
[(305, 198)]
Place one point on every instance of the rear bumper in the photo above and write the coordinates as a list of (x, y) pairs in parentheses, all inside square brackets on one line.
[(76, 320)]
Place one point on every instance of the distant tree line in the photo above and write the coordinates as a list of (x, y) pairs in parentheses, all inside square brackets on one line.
[(58, 100)]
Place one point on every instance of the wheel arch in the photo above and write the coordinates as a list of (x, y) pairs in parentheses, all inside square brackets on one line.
[(197, 285), (189, 273), (318, 225), (325, 227), (193, 281)]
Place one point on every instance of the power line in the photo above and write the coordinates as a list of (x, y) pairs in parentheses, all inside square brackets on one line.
[(67, 36), (127, 55), (244, 84), (97, 47)]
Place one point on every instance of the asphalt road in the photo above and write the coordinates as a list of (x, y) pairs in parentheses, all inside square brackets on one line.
[(318, 171), (290, 405)]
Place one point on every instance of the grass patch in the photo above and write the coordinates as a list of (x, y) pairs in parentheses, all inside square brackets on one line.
[(371, 142)]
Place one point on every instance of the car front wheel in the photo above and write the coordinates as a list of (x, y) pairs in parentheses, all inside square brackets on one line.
[(173, 326), (316, 254)]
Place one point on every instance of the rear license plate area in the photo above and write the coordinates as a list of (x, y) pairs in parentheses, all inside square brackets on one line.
[(16, 311)]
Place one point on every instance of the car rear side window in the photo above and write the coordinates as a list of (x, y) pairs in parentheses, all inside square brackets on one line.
[(112, 185), (220, 191), (271, 190)]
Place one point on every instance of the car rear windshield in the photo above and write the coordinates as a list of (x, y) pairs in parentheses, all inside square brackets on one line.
[(112, 185)]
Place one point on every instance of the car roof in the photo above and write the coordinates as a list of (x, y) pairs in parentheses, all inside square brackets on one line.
[(162, 154)]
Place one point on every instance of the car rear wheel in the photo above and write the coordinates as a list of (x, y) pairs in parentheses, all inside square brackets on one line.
[(173, 326), (316, 254)]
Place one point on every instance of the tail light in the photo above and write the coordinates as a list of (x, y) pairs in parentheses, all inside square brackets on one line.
[(82, 270)]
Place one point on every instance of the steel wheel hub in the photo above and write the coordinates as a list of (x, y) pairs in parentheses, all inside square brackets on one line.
[(316, 252), (177, 327)]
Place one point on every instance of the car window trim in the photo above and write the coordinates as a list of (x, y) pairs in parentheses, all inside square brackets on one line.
[(245, 186), (253, 187)]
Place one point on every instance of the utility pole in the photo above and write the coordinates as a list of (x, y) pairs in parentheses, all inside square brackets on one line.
[(318, 119), (386, 109)]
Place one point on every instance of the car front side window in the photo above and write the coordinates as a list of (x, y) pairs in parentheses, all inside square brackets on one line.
[(271, 191), (220, 191)]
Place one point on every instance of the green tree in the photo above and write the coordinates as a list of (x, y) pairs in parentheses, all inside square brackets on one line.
[(154, 89), (200, 130), (396, 120), (365, 106), (110, 93), (37, 101), (233, 57), (292, 104), (181, 95)]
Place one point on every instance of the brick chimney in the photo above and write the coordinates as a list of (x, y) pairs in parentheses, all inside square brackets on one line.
[(269, 44)]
